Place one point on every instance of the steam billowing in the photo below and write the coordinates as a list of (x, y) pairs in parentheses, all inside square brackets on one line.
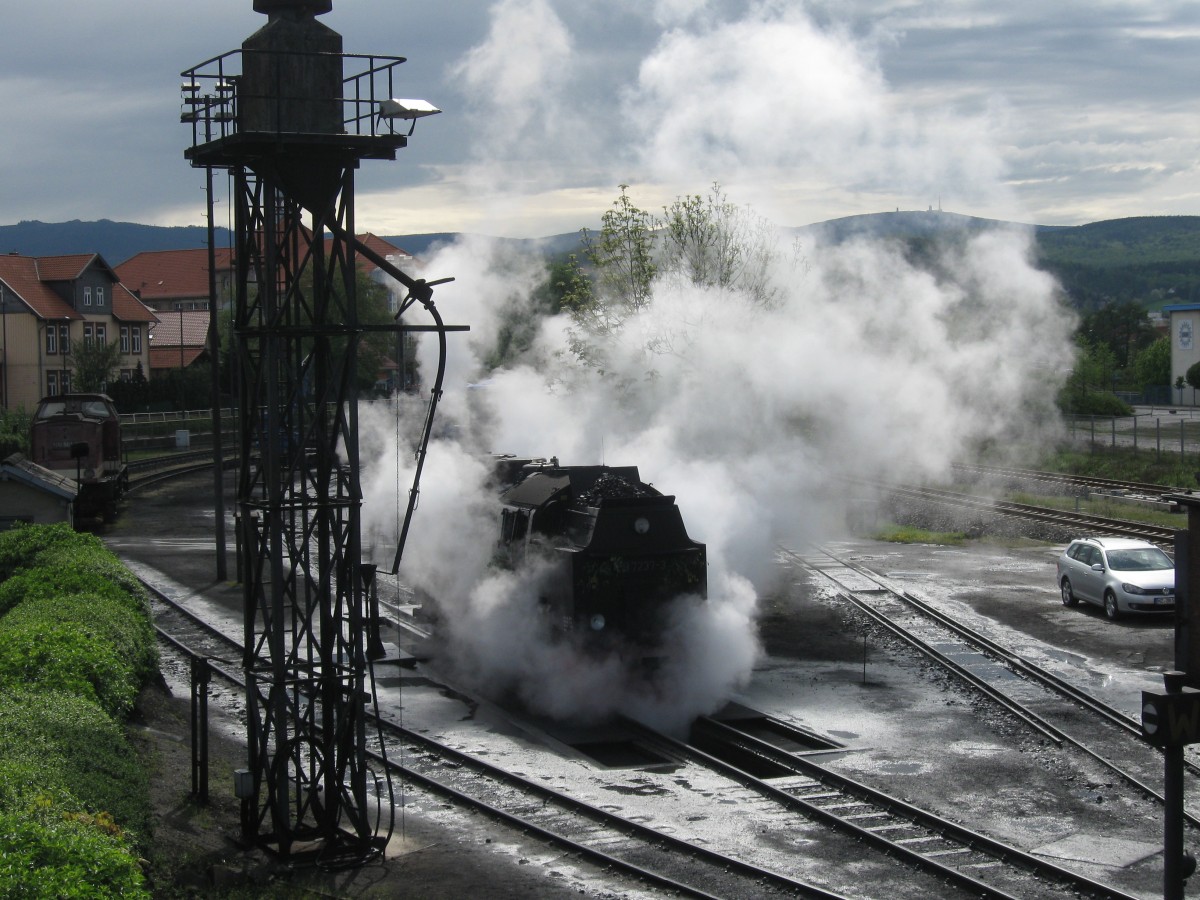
[(861, 363)]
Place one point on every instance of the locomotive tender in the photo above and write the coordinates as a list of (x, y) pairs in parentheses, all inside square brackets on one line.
[(80, 435), (618, 548)]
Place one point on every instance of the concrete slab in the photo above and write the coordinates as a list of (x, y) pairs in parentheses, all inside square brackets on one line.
[(1103, 851)]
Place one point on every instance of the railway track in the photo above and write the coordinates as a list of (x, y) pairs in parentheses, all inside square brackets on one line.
[(153, 470), (788, 796), (1075, 523), (767, 757), (1044, 702), (639, 851), (1062, 479)]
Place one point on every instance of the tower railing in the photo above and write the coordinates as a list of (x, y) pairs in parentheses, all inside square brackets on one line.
[(213, 93)]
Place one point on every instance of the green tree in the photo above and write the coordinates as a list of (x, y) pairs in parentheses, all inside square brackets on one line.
[(622, 258), (1152, 366), (1094, 365), (520, 315), (94, 363), (569, 286), (713, 243), (1123, 325), (1192, 377), (376, 347)]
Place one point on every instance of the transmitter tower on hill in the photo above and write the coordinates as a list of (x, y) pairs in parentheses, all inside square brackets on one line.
[(290, 117)]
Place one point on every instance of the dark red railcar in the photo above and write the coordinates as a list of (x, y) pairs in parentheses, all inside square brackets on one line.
[(80, 435)]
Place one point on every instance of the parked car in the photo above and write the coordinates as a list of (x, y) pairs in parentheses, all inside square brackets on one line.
[(1121, 574)]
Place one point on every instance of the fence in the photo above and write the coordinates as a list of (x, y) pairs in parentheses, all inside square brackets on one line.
[(174, 415), (1154, 430), (176, 430)]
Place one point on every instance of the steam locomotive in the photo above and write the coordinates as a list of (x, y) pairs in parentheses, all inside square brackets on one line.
[(618, 549), (80, 436)]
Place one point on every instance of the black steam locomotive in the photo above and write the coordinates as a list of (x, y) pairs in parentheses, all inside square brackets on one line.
[(79, 435), (618, 548)]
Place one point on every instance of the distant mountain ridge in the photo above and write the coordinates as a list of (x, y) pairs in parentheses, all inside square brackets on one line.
[(115, 241), (1152, 260)]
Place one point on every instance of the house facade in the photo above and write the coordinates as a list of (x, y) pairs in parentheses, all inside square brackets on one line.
[(47, 305)]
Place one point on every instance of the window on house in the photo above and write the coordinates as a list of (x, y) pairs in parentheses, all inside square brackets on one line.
[(64, 380), (64, 339), (87, 332), (51, 340), (127, 375), (100, 296), (137, 338), (87, 296), (51, 384), (101, 333), (124, 342)]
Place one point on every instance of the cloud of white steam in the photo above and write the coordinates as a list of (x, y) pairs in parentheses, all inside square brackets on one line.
[(865, 365), (776, 101)]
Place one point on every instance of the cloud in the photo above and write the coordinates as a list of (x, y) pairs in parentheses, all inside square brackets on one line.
[(774, 99)]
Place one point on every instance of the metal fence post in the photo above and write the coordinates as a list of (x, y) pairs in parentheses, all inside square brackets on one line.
[(201, 676)]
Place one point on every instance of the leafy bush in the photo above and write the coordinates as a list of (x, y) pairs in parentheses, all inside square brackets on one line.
[(1094, 403), (20, 545), (14, 432), (93, 614), (67, 750), (49, 857), (76, 644), (61, 658)]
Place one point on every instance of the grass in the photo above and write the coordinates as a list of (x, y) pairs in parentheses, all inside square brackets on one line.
[(1105, 508), (1121, 464), (906, 534), (1124, 464)]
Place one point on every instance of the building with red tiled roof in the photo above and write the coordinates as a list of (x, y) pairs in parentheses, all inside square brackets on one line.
[(169, 280), (179, 339), (177, 279), (47, 304)]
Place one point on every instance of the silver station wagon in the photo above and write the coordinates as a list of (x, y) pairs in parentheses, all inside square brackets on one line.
[(1121, 574)]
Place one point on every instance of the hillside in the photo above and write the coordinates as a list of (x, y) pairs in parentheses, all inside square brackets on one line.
[(1153, 260), (115, 241)]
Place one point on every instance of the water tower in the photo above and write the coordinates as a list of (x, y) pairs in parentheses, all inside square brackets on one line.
[(290, 117)]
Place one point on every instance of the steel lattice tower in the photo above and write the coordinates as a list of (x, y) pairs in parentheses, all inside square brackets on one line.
[(291, 125)]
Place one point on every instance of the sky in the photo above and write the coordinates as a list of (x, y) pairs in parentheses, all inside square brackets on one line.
[(1051, 113)]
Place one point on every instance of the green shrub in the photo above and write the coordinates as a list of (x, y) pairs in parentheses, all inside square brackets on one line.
[(76, 643), (1094, 403), (93, 614), (20, 545), (58, 657), (48, 560), (57, 856), (68, 750), (98, 561)]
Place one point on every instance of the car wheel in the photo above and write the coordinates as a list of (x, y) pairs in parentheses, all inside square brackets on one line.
[(1110, 605), (1068, 595)]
